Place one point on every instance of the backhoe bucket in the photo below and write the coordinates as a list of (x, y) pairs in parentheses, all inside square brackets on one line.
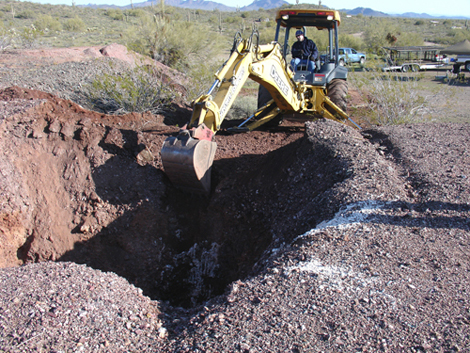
[(187, 162)]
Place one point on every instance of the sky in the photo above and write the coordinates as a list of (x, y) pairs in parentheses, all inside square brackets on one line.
[(431, 7)]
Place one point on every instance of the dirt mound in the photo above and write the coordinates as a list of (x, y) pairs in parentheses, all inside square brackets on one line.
[(23, 58), (68, 72)]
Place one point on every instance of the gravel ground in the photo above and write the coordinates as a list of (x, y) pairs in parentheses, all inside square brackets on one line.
[(68, 80), (54, 307), (315, 239)]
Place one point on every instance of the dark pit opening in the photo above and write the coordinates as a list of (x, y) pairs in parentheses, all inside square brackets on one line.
[(186, 249)]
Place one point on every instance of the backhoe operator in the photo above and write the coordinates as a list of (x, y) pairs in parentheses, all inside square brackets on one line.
[(304, 51)]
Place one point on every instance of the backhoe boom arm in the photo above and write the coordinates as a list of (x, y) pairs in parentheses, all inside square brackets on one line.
[(188, 157)]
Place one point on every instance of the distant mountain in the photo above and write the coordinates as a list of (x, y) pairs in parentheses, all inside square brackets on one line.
[(200, 4), (264, 4), (190, 4), (366, 12), (425, 15), (414, 15), (267, 4)]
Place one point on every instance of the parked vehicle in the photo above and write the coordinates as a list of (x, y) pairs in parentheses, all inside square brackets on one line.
[(462, 60), (346, 56), (462, 50), (349, 56)]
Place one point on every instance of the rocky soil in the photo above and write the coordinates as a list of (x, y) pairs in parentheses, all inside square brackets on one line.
[(316, 237)]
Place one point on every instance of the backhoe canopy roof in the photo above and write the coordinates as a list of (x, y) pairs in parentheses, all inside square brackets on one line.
[(308, 18)]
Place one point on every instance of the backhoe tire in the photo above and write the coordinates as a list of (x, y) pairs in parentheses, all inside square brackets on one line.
[(264, 97), (337, 90)]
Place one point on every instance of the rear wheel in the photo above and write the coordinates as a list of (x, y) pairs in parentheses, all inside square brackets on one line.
[(341, 62), (405, 68), (264, 97), (362, 61), (337, 90), (467, 65)]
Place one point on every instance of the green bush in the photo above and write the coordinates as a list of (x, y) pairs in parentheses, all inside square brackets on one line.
[(47, 22), (28, 37), (232, 20), (75, 25), (375, 35), (174, 44), (242, 107), (115, 14), (137, 13), (393, 98), (25, 14), (5, 38), (410, 39), (350, 41), (139, 90)]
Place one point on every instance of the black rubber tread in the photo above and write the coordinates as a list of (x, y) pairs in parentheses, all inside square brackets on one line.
[(337, 90)]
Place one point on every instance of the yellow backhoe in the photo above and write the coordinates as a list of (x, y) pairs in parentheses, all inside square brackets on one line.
[(187, 158)]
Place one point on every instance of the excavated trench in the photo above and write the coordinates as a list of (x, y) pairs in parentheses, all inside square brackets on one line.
[(186, 249), (80, 194)]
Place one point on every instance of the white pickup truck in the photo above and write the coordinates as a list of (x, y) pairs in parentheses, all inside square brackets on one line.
[(461, 60)]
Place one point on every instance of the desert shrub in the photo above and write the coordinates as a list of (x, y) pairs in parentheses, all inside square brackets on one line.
[(6, 38), (242, 107), (28, 37), (176, 44), (266, 35), (214, 19), (377, 33), (201, 78), (410, 39), (350, 41), (231, 20), (393, 98), (74, 25), (138, 90), (137, 13), (47, 22), (26, 14), (115, 14)]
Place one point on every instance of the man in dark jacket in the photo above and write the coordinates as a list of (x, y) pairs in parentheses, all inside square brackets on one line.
[(304, 51)]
